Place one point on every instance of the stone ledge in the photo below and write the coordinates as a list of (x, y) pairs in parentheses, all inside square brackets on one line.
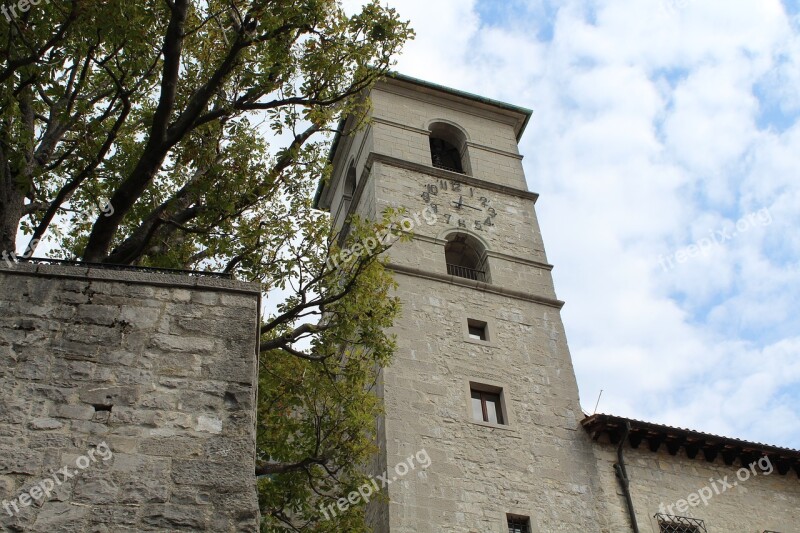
[(126, 276), (480, 285)]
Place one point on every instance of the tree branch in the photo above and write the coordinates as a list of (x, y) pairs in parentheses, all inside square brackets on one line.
[(282, 468)]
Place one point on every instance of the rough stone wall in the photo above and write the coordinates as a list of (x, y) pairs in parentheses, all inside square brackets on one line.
[(756, 503), (538, 465), (142, 385)]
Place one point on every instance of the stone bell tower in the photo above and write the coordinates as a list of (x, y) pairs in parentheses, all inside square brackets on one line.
[(482, 380)]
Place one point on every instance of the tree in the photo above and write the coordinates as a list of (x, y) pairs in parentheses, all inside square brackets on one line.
[(318, 407), (138, 134)]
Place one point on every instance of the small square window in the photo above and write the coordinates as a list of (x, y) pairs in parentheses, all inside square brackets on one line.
[(487, 406), (519, 524), (478, 330)]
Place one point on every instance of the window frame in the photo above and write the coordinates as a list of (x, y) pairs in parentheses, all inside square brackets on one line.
[(488, 325), (485, 398), (490, 387), (526, 523), (477, 332), (505, 513), (460, 247), (455, 136)]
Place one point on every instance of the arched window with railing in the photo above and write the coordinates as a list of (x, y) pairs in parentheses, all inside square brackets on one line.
[(448, 148), (466, 257)]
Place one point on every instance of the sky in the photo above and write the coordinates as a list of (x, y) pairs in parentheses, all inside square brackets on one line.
[(665, 145)]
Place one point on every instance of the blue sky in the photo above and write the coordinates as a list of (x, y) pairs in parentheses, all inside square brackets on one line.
[(659, 125)]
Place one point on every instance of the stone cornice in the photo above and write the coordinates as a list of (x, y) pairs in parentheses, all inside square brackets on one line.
[(158, 279), (489, 253), (471, 284), (420, 131)]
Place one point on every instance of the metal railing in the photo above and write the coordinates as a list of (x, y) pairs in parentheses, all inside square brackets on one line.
[(128, 268), (464, 272), (679, 524), (518, 525), (437, 164)]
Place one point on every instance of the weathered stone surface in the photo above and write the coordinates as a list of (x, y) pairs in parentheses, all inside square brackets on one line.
[(219, 475), (179, 446), (121, 359), (19, 461), (45, 423), (61, 517), (118, 517), (109, 396), (134, 490), (95, 490), (176, 517)]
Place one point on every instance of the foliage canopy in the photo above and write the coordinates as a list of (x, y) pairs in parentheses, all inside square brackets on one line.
[(190, 134)]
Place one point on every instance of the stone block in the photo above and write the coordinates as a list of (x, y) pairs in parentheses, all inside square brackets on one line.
[(20, 461), (223, 476), (171, 517), (61, 517), (109, 396), (181, 343), (102, 315), (96, 490), (176, 447)]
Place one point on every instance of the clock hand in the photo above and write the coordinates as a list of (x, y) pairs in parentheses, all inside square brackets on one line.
[(475, 208)]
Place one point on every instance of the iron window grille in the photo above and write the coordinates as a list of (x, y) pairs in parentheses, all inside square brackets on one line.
[(123, 268), (518, 524), (445, 156), (679, 524)]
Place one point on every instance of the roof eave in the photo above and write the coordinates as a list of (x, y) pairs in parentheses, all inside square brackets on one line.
[(691, 441)]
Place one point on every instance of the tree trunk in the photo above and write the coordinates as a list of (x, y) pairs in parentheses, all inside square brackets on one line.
[(12, 203)]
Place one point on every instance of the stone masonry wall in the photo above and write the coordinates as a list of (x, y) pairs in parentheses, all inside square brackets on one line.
[(754, 504), (142, 385)]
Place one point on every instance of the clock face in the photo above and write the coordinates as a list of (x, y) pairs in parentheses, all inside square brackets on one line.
[(460, 205)]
